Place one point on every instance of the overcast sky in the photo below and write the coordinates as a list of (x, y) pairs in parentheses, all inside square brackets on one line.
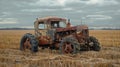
[(95, 13)]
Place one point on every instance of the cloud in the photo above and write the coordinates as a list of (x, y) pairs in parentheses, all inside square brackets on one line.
[(98, 17), (79, 11), (24, 12), (53, 2), (119, 10), (37, 10), (47, 9), (48, 2), (102, 2), (95, 2), (92, 2), (61, 2), (8, 21), (3, 14)]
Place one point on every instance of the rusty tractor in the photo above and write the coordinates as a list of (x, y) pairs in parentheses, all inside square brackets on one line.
[(58, 33)]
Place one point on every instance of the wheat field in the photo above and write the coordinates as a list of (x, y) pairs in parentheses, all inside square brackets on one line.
[(11, 56)]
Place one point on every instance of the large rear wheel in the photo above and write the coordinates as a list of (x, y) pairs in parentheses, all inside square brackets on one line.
[(28, 41)]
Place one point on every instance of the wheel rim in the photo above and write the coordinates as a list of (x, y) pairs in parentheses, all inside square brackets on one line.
[(26, 44), (67, 47)]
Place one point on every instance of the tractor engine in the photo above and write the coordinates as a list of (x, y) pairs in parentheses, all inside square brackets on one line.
[(80, 32)]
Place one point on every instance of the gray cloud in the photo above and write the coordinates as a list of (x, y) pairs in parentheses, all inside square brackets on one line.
[(8, 21), (98, 17), (93, 12)]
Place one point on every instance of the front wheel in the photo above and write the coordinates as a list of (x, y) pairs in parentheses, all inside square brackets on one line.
[(28, 41)]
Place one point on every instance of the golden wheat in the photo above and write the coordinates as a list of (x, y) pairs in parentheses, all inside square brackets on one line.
[(107, 37)]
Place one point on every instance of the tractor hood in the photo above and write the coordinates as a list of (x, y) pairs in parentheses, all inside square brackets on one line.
[(76, 28)]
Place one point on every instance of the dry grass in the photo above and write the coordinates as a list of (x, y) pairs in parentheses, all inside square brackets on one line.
[(11, 38), (11, 56), (107, 37)]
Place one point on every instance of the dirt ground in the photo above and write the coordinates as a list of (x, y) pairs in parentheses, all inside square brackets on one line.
[(107, 57)]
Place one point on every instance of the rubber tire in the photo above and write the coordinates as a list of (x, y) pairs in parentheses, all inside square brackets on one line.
[(96, 44), (33, 42), (73, 41)]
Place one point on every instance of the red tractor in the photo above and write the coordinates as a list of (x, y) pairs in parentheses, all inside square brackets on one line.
[(58, 33)]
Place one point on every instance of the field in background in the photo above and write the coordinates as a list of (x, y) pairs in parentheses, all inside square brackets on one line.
[(11, 38), (107, 37), (11, 56)]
